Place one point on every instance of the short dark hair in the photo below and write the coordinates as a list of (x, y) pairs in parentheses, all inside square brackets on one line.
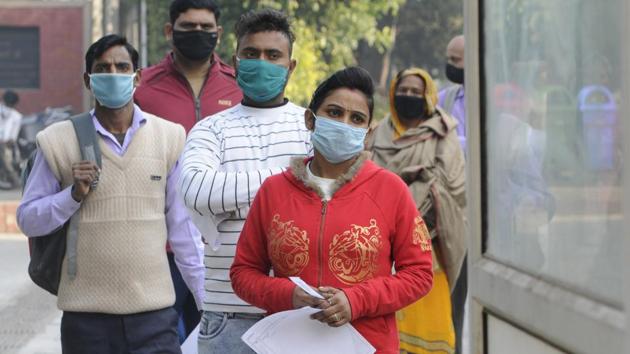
[(99, 47), (10, 98), (180, 6), (264, 20), (354, 77)]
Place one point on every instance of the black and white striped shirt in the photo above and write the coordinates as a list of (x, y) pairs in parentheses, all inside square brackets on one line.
[(225, 161)]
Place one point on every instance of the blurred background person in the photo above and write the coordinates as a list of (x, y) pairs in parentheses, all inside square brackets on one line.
[(452, 100), (517, 181), (418, 142), (9, 129), (191, 82)]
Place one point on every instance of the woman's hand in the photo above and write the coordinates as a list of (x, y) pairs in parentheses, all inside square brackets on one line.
[(301, 299), (336, 308)]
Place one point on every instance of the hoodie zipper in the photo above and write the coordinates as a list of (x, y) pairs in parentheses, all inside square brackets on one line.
[(192, 93), (320, 242), (198, 107)]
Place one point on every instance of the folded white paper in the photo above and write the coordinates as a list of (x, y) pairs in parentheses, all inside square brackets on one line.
[(207, 225), (293, 331), (299, 282), (190, 344)]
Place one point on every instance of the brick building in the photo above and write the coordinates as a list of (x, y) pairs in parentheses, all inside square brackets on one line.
[(42, 45)]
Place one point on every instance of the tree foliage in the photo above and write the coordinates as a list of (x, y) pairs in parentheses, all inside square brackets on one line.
[(157, 17), (331, 34), (424, 29), (327, 31)]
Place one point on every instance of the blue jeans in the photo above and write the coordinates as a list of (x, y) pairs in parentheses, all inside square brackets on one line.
[(220, 332)]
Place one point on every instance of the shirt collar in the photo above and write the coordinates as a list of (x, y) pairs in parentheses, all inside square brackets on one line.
[(136, 121), (460, 92)]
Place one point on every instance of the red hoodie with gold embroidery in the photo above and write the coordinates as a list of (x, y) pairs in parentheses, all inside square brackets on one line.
[(349, 242)]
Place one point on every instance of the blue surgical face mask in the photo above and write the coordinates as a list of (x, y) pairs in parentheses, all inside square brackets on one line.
[(261, 80), (112, 90), (336, 141)]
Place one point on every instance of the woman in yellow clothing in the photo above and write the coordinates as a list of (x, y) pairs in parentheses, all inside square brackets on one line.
[(418, 141), (426, 325)]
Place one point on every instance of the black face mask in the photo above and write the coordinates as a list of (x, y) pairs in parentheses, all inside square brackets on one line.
[(195, 45), (410, 107), (454, 74)]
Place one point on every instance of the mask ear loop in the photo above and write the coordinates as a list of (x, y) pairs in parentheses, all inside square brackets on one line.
[(312, 113), (314, 117)]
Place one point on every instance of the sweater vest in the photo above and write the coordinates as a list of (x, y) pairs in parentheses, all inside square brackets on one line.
[(121, 263)]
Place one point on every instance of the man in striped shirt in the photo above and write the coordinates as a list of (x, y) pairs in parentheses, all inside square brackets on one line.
[(226, 159)]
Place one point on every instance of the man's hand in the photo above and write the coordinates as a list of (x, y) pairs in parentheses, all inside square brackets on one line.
[(84, 174), (301, 299), (336, 308)]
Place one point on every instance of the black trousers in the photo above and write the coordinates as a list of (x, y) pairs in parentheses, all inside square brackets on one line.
[(458, 305), (153, 332), (184, 301)]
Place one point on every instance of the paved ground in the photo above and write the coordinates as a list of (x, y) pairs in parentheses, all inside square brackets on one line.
[(15, 194), (29, 319)]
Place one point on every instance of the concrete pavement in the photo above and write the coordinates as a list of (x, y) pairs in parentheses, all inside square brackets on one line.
[(29, 319), (10, 195), (9, 200)]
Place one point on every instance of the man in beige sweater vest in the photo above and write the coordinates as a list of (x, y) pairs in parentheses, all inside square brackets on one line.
[(119, 297)]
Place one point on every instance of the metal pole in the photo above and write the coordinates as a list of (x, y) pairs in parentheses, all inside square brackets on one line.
[(143, 34)]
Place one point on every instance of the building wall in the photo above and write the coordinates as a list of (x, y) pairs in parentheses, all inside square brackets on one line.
[(62, 46)]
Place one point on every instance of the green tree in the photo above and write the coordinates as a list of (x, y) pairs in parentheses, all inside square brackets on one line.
[(420, 33), (157, 16), (328, 33), (424, 28)]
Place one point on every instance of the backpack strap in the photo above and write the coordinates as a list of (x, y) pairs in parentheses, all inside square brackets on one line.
[(86, 134), (90, 150)]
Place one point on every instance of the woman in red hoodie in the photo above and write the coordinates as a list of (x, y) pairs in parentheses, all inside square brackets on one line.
[(340, 223)]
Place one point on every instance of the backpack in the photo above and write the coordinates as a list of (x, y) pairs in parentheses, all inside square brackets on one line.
[(47, 252)]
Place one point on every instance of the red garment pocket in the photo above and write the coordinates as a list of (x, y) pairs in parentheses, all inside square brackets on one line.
[(380, 331)]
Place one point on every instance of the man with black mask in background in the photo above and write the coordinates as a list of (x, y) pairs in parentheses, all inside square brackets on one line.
[(452, 100), (190, 83)]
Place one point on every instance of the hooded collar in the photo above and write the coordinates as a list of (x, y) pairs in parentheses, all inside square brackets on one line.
[(360, 170), (440, 124)]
